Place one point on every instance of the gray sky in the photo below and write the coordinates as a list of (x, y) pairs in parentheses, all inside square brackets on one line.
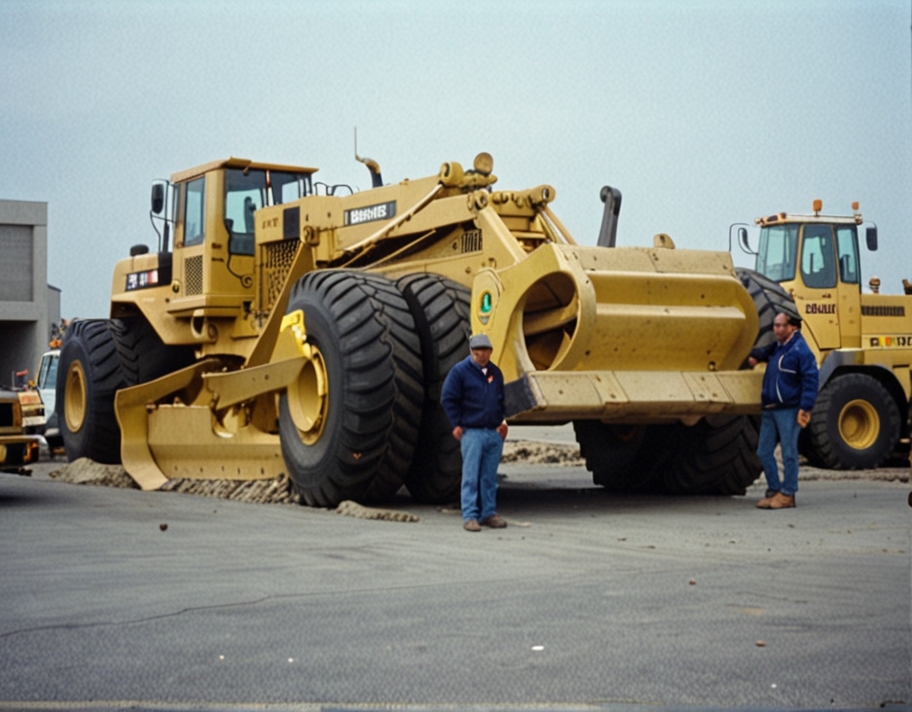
[(702, 113)]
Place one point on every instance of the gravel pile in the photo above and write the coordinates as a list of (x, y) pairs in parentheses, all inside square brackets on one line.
[(278, 490)]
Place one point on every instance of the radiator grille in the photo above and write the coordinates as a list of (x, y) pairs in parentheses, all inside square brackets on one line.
[(276, 266), (883, 311), (471, 241)]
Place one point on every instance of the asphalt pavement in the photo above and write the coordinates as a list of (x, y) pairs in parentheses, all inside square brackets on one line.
[(122, 599)]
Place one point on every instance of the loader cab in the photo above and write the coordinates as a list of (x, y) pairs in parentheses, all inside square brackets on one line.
[(214, 228), (816, 259)]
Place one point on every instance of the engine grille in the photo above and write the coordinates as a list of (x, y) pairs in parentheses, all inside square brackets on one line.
[(193, 275), (471, 241), (279, 257)]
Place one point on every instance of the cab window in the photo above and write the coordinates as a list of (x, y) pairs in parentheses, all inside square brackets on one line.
[(288, 187), (194, 212), (818, 269), (776, 257), (847, 245), (245, 193)]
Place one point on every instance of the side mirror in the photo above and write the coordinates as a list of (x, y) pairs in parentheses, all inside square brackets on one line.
[(871, 238), (743, 240), (158, 198)]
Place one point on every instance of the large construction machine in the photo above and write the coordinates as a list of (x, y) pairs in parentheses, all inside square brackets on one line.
[(284, 325), (809, 265)]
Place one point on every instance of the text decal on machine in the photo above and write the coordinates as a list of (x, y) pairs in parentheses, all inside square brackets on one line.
[(381, 211), (884, 341), (142, 280)]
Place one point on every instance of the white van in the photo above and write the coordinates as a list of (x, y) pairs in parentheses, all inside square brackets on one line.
[(47, 386)]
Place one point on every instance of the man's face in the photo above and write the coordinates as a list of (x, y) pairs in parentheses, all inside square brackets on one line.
[(481, 356), (782, 329)]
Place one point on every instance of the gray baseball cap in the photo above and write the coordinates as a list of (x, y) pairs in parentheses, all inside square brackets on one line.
[(480, 341)]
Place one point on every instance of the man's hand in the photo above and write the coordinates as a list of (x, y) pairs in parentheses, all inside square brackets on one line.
[(457, 432), (502, 429), (751, 361), (804, 417)]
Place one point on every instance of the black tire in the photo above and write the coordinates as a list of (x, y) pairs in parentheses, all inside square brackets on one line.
[(769, 299), (143, 356), (441, 309), (717, 456), (855, 424), (88, 376), (367, 427), (98, 358), (615, 455)]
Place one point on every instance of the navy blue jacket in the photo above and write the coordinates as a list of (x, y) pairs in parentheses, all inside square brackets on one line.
[(791, 374), (470, 398)]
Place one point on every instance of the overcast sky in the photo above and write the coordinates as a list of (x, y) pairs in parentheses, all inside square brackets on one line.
[(703, 114)]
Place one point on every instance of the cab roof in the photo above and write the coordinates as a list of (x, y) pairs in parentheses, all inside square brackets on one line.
[(232, 162), (781, 218)]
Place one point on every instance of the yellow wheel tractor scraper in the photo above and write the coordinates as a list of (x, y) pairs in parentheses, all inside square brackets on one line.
[(288, 326)]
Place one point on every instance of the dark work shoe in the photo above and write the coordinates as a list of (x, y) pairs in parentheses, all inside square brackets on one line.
[(495, 522), (471, 525)]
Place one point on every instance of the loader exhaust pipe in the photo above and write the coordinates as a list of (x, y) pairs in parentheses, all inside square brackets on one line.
[(372, 166), (611, 197)]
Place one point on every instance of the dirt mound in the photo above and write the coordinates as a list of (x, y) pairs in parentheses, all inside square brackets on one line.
[(542, 453), (88, 472), (272, 491), (278, 490)]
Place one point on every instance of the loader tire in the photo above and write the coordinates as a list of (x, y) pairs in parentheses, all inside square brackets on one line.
[(98, 358), (717, 456), (360, 443), (88, 376), (615, 455), (769, 299), (855, 424), (143, 356), (441, 309)]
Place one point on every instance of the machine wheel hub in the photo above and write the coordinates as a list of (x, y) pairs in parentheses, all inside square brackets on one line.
[(859, 424)]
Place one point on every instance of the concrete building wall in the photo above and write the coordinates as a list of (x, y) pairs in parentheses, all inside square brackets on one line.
[(26, 300)]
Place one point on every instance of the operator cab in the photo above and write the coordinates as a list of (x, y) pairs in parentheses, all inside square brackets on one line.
[(828, 251), (239, 188), (209, 212), (816, 259)]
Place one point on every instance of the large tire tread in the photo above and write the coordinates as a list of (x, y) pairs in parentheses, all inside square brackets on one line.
[(828, 450), (376, 389), (441, 309), (115, 354)]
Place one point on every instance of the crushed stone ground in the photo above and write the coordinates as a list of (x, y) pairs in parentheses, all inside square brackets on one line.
[(279, 491)]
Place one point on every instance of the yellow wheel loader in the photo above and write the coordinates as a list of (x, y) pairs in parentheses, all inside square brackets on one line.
[(809, 265), (286, 325)]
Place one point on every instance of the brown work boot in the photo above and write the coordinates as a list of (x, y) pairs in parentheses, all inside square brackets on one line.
[(782, 501), (767, 501), (471, 525), (495, 522)]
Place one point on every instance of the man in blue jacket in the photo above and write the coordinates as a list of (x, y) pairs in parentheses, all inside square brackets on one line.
[(473, 399), (789, 392)]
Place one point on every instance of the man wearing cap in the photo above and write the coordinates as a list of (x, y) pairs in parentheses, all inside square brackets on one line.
[(473, 399)]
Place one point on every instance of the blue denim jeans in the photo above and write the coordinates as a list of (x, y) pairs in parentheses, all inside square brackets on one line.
[(481, 451), (780, 424)]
